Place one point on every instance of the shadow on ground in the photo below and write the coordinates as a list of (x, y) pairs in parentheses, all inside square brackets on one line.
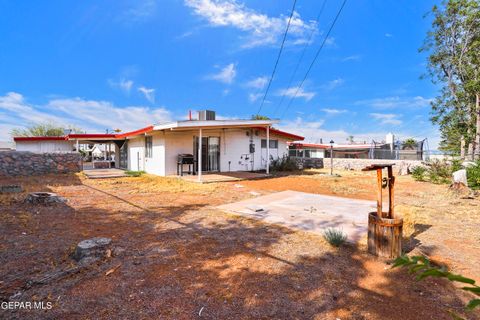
[(186, 260)]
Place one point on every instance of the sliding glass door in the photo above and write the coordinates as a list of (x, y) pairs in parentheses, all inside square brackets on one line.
[(210, 153)]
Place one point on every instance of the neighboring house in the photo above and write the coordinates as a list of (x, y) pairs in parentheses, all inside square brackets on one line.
[(7, 146), (226, 145), (44, 144)]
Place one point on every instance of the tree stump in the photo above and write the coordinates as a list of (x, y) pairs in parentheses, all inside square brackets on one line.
[(384, 236)]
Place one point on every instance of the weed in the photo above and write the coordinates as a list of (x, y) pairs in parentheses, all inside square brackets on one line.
[(134, 173), (336, 237), (418, 173)]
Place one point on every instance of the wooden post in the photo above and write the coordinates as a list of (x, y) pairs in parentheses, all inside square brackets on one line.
[(379, 192), (391, 183)]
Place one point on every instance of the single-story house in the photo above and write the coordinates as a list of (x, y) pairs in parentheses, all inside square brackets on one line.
[(203, 145)]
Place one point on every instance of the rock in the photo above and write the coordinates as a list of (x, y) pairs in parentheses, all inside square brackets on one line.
[(44, 198), (460, 176), (92, 249), (404, 169), (12, 188), (468, 164)]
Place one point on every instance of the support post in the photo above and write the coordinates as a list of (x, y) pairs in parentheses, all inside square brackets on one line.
[(391, 184), (268, 149), (331, 160), (77, 146), (199, 160), (379, 193)]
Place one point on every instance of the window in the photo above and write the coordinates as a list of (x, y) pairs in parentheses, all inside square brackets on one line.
[(148, 146), (292, 152), (273, 144)]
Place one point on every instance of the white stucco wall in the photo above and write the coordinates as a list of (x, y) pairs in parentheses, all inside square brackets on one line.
[(45, 146), (136, 154), (234, 146)]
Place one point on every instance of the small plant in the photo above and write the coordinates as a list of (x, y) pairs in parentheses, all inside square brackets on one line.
[(473, 175), (418, 173), (335, 237), (134, 173), (423, 269)]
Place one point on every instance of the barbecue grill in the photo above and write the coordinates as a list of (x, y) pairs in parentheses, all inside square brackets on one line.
[(185, 159)]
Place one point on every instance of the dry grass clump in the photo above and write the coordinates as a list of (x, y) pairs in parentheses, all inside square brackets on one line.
[(148, 183)]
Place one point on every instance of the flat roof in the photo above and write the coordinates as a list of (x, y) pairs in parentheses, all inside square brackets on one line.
[(192, 124), (173, 126)]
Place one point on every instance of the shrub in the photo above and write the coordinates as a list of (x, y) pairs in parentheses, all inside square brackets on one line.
[(422, 267), (134, 173), (335, 237), (439, 172), (284, 163), (418, 173), (473, 175)]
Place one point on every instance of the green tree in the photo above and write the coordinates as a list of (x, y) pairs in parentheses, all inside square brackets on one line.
[(45, 129), (259, 117), (453, 45)]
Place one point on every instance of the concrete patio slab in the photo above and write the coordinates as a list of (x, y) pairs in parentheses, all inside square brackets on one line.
[(104, 173), (308, 212)]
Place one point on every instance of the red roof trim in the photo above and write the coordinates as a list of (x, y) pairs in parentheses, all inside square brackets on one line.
[(90, 135), (39, 138), (134, 133), (282, 133), (87, 136), (335, 147), (309, 145)]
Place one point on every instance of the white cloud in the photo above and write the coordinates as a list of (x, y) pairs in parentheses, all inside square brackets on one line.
[(225, 75), (313, 132), (351, 58), (258, 83), (332, 111), (300, 93), (396, 102), (123, 84), (334, 84), (259, 28), (149, 93), (387, 118), (90, 115), (330, 42), (254, 96)]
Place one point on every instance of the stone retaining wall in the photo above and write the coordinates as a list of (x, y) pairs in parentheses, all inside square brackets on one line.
[(306, 163), (24, 163), (401, 166)]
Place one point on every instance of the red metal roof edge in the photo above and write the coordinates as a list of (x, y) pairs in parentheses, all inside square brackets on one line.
[(133, 133), (311, 145), (90, 135), (282, 133), (335, 147), (39, 138)]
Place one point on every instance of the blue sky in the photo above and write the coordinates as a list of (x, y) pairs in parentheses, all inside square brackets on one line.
[(126, 64)]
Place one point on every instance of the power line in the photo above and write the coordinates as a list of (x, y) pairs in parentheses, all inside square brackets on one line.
[(278, 57), (307, 44), (316, 56)]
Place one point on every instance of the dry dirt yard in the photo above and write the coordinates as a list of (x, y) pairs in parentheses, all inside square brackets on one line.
[(177, 257)]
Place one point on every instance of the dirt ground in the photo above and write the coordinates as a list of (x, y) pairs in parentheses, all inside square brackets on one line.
[(177, 257)]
